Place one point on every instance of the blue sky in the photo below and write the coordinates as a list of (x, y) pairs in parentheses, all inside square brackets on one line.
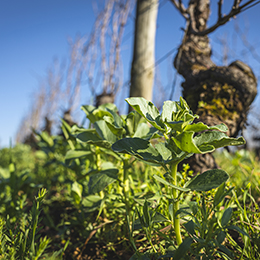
[(34, 31)]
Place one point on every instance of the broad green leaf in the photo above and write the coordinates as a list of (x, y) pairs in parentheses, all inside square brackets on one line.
[(100, 113), (198, 127), (177, 153), (101, 180), (176, 125), (142, 130), (226, 217), (91, 203), (115, 123), (163, 151), (169, 184), (93, 138), (147, 110), (90, 200), (207, 180), (185, 142), (132, 121), (205, 142), (188, 118), (74, 154), (217, 139), (118, 121), (221, 237), (88, 109), (110, 152), (178, 112), (193, 206), (184, 104), (183, 248), (139, 148), (209, 137), (113, 126), (169, 107), (206, 148), (145, 132), (95, 114), (227, 141), (88, 136), (108, 107), (238, 229), (76, 191), (107, 165), (183, 119), (104, 144), (184, 114), (221, 127), (104, 132), (190, 227)]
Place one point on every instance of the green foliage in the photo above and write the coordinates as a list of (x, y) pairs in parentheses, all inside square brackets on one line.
[(21, 156), (116, 184), (175, 125), (20, 240), (244, 167)]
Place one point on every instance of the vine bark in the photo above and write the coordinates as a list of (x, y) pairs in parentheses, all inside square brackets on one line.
[(216, 93)]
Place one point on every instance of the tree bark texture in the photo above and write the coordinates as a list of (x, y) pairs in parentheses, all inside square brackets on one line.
[(142, 72), (216, 93)]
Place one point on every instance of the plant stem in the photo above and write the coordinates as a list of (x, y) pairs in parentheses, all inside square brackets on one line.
[(98, 158), (126, 184), (176, 223), (148, 235)]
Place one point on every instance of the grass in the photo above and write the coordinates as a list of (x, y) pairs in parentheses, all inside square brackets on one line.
[(97, 226)]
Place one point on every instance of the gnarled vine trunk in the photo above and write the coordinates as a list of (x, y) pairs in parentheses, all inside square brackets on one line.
[(216, 93)]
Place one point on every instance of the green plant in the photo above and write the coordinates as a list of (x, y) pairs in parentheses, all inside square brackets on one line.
[(110, 194), (244, 168), (246, 211), (21, 241), (21, 155), (14, 189), (97, 142), (179, 138)]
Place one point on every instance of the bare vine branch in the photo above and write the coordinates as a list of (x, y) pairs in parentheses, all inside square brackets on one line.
[(220, 3), (188, 14), (181, 8)]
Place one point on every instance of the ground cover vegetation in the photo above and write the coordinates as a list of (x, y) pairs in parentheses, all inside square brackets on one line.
[(120, 189)]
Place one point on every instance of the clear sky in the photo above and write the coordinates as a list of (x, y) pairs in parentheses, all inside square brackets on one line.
[(35, 31)]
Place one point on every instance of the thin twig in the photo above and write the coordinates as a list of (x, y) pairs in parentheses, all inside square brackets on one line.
[(92, 233), (220, 3), (188, 14), (181, 8)]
